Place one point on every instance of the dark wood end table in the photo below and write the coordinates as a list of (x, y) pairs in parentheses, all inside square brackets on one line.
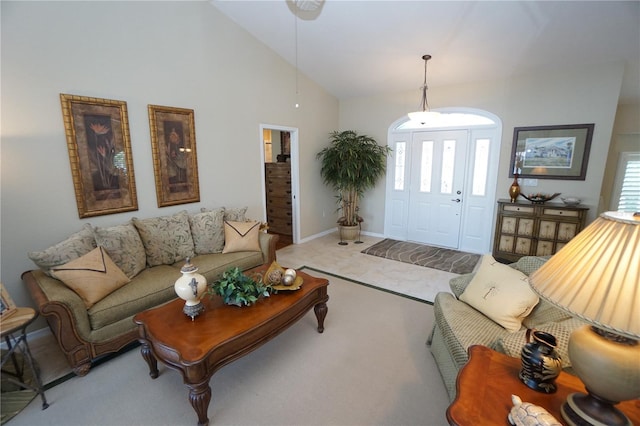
[(222, 333), (485, 385)]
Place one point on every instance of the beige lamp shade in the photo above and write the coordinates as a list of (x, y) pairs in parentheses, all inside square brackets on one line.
[(596, 276)]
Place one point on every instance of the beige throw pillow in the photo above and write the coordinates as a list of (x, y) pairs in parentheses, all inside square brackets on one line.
[(241, 236), (93, 276), (501, 293)]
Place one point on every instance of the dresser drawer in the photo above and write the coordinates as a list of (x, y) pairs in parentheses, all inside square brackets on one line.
[(561, 212), (279, 225), (279, 213), (278, 171), (519, 209), (278, 202)]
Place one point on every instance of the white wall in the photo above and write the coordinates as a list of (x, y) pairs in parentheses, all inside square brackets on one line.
[(180, 54), (543, 98)]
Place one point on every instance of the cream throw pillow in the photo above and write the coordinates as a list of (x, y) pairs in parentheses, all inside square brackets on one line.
[(93, 276), (501, 293), (241, 236)]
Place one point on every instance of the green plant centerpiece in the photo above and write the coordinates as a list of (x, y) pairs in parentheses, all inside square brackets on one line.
[(239, 289), (351, 164)]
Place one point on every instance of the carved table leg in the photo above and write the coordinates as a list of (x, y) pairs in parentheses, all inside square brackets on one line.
[(321, 312), (200, 396), (152, 362)]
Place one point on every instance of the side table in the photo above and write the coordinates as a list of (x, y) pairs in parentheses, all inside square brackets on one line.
[(485, 385), (14, 331)]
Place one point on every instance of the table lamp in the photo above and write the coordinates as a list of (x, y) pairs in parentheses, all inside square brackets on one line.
[(596, 277)]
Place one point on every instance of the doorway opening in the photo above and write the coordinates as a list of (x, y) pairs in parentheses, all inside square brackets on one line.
[(279, 148), (441, 180)]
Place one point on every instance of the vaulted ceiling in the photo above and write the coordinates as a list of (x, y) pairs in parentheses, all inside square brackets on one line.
[(364, 48)]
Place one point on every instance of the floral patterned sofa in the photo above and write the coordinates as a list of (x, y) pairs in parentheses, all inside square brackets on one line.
[(90, 285)]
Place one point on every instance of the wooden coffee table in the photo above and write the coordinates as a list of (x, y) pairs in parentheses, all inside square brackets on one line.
[(221, 334)]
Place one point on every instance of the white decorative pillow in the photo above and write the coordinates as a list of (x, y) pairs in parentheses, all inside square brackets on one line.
[(501, 293), (207, 229), (124, 246), (166, 239), (78, 244), (93, 276), (241, 236)]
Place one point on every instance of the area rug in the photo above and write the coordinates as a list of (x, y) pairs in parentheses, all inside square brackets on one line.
[(442, 259), (370, 367)]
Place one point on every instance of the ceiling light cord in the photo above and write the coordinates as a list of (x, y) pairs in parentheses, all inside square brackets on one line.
[(425, 102)]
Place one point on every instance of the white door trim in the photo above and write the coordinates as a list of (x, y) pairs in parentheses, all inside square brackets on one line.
[(295, 176)]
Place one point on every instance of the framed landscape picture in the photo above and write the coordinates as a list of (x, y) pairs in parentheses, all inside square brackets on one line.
[(99, 146), (175, 162), (551, 152)]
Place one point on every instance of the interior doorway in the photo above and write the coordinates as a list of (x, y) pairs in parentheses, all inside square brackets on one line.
[(441, 180), (280, 181)]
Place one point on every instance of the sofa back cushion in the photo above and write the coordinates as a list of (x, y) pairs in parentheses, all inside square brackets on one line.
[(166, 239), (124, 246), (76, 245), (207, 229), (236, 214)]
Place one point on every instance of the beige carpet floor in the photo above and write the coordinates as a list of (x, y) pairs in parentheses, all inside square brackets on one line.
[(370, 367)]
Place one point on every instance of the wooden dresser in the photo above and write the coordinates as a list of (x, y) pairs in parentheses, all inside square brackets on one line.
[(279, 208), (526, 229)]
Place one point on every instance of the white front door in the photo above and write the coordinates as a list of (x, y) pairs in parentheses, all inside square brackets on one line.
[(426, 169), (436, 188)]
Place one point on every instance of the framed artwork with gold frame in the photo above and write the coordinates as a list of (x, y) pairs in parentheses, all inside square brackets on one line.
[(175, 161), (99, 146)]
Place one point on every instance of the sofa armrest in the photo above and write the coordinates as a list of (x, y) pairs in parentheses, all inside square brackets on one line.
[(268, 246), (62, 307), (462, 326)]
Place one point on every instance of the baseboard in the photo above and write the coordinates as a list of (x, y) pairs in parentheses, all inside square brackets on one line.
[(33, 335), (335, 230)]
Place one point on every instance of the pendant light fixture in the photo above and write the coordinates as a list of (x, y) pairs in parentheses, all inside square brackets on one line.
[(425, 114)]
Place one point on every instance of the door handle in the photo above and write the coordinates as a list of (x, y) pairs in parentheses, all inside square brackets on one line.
[(457, 200)]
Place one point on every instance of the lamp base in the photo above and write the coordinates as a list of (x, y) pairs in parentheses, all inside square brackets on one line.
[(589, 410), (193, 310)]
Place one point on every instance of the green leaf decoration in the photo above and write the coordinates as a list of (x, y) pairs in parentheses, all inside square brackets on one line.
[(238, 289)]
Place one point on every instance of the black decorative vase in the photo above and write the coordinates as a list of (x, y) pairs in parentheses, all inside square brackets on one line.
[(541, 364)]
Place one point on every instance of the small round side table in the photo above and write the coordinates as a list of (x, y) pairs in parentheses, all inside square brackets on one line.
[(14, 331)]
